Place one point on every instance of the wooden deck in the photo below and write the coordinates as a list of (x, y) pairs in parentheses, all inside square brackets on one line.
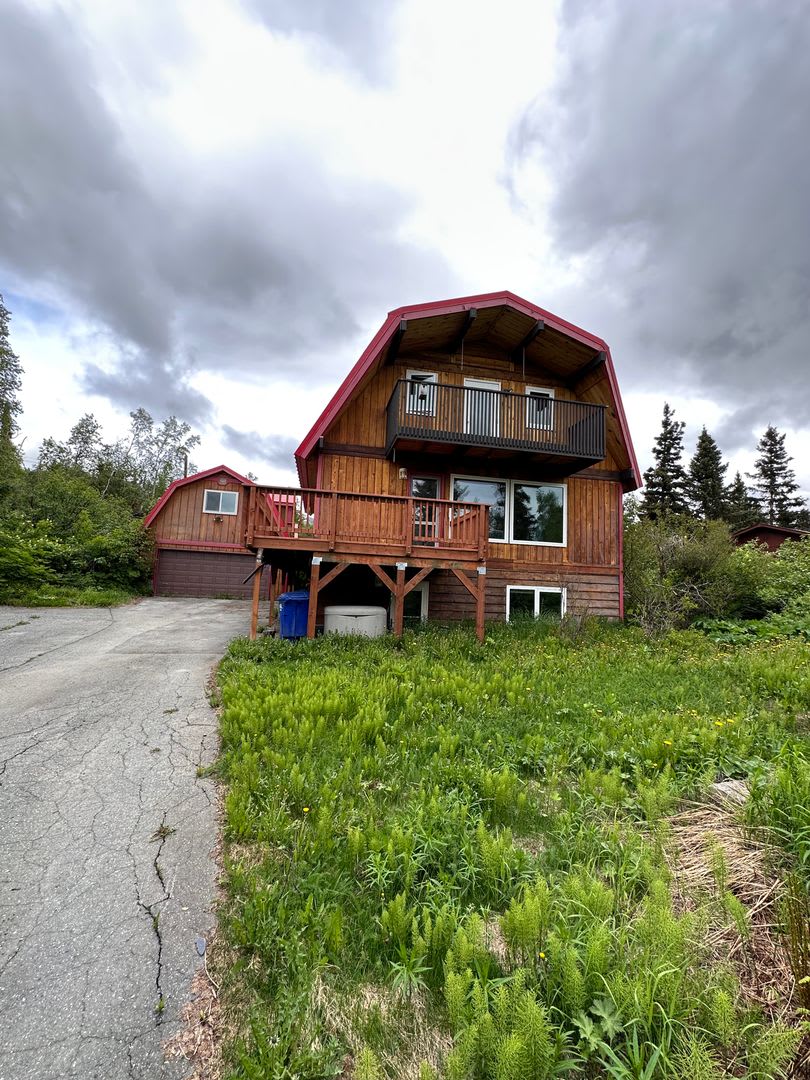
[(387, 528)]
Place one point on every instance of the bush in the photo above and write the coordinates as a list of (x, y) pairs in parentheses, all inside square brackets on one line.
[(677, 569), (25, 551)]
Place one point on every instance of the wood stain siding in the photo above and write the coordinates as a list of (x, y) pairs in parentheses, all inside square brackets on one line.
[(587, 593), (182, 517)]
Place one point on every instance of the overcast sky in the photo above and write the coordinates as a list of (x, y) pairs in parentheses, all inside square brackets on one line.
[(208, 207)]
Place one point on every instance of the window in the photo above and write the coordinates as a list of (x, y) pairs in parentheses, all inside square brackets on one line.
[(415, 606), (421, 392), (534, 602), (519, 512), (491, 492), (538, 513), (220, 502), (539, 408)]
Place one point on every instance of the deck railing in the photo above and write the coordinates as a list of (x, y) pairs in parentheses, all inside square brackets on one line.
[(318, 520), (469, 416)]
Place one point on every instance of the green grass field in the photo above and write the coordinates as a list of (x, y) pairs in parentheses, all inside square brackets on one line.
[(446, 859), (66, 596)]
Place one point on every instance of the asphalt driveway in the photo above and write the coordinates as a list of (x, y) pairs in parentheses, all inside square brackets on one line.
[(106, 832)]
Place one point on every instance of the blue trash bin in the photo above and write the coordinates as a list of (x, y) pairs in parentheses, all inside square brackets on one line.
[(293, 608)]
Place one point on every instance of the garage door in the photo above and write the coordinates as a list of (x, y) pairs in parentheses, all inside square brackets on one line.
[(202, 573)]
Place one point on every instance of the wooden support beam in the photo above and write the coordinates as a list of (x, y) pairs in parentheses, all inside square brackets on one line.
[(338, 568), (481, 603), (399, 600), (591, 366), (257, 589), (465, 581), (457, 341), (396, 341), (517, 352), (417, 579), (384, 578), (312, 613)]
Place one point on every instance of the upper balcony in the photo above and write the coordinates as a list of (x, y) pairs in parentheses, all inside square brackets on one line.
[(429, 417)]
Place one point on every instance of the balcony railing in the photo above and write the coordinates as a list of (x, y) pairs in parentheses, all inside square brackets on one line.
[(420, 412), (385, 525)]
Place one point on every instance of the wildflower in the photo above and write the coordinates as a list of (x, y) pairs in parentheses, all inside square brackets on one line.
[(718, 723), (667, 742), (306, 809), (542, 955)]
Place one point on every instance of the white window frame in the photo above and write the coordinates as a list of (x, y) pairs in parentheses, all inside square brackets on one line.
[(426, 378), (539, 543), (507, 526), (560, 591), (487, 480), (220, 492), (543, 424)]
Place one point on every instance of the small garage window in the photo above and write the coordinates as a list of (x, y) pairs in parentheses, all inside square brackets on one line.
[(220, 502)]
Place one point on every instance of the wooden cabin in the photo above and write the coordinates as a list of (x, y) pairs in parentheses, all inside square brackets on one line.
[(471, 465), (772, 536), (199, 526)]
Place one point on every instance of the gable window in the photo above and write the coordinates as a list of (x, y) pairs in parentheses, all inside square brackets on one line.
[(421, 395), (534, 602), (519, 512), (539, 408), (220, 502)]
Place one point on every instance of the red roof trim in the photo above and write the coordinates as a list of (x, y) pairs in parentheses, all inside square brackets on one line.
[(448, 307), (175, 484)]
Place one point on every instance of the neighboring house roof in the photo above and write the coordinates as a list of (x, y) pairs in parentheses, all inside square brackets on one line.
[(175, 484), (760, 526), (447, 307)]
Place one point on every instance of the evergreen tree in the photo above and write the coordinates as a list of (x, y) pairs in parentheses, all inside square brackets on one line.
[(774, 482), (10, 407), (705, 481), (665, 482), (740, 508)]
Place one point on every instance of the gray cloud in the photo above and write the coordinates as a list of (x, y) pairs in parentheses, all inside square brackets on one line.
[(275, 450), (356, 30), (254, 264), (677, 142)]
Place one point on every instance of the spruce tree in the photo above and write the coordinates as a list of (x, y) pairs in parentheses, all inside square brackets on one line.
[(665, 482), (10, 407), (705, 481), (740, 508), (774, 482)]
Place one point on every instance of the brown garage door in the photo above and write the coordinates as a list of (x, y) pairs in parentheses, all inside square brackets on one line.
[(202, 573)]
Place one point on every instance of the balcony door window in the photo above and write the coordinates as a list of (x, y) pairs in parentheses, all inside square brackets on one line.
[(539, 408), (492, 493), (421, 392), (482, 408)]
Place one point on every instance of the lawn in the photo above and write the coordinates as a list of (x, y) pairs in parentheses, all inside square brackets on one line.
[(501, 861), (66, 596)]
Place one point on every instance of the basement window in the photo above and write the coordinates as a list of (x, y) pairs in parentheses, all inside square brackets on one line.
[(220, 502), (534, 602)]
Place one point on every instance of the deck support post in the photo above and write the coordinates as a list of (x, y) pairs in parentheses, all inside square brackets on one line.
[(257, 589), (312, 613), (480, 602), (399, 599)]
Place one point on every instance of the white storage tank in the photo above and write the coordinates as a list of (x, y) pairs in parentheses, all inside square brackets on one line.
[(355, 619)]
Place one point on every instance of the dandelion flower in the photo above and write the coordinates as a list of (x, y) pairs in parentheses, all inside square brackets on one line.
[(542, 955), (718, 723), (306, 809), (667, 742)]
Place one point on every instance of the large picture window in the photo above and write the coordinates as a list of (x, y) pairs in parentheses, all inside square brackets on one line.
[(519, 512), (220, 502), (534, 602)]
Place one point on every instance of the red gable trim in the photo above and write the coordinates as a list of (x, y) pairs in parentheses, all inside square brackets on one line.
[(175, 484), (448, 307)]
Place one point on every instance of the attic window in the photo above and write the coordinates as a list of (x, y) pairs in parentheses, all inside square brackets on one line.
[(220, 502)]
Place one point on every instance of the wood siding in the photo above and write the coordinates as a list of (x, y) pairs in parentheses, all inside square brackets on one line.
[(182, 518), (592, 506), (586, 593)]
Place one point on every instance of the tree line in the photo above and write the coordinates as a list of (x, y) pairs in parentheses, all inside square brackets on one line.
[(699, 488), (75, 518)]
